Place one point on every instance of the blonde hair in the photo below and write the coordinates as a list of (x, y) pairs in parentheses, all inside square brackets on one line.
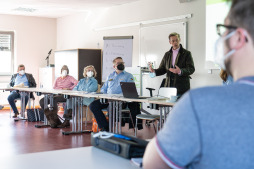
[(116, 59), (223, 75), (85, 71)]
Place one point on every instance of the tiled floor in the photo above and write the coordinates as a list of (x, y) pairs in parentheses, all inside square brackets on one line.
[(22, 137)]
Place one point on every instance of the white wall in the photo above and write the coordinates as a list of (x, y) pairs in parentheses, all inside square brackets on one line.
[(76, 31), (34, 37)]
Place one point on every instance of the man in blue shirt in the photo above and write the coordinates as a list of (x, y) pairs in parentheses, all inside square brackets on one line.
[(112, 86), (20, 79), (212, 127)]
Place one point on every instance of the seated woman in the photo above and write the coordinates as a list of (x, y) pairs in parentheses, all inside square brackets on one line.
[(87, 84), (65, 82), (226, 78)]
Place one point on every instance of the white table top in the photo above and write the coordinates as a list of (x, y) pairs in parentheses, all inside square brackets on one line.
[(76, 158), (118, 97)]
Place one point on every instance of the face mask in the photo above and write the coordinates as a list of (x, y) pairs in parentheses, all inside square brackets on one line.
[(22, 72), (64, 73), (220, 55), (120, 67), (89, 74)]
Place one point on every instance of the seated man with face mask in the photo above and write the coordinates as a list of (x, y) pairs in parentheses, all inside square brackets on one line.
[(87, 84), (20, 79), (112, 86), (65, 82)]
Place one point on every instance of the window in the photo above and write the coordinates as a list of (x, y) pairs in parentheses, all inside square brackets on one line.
[(6, 52)]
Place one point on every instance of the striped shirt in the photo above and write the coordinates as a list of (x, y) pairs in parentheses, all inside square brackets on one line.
[(68, 82)]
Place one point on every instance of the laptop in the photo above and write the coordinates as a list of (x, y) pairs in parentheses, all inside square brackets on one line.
[(130, 91)]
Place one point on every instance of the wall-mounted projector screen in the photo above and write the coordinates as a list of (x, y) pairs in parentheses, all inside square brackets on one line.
[(216, 11)]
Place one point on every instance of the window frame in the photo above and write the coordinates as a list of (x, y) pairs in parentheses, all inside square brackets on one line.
[(12, 52)]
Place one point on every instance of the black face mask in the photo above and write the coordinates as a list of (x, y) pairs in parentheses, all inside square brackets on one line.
[(120, 67)]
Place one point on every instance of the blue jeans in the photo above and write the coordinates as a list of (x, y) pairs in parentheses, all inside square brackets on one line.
[(13, 96)]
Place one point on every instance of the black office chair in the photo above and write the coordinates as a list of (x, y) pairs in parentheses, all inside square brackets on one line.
[(153, 118), (151, 89), (31, 97)]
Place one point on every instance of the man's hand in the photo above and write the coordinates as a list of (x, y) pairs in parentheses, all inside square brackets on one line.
[(150, 67), (177, 70)]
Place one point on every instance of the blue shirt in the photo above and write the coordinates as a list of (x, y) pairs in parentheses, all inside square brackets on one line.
[(88, 85), (211, 128), (112, 84), (21, 79)]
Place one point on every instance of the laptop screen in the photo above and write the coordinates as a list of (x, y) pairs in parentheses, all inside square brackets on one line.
[(129, 89)]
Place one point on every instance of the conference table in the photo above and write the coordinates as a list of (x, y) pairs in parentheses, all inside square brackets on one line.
[(115, 101), (76, 158)]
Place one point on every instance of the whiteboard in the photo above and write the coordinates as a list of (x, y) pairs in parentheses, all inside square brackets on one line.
[(116, 48), (154, 41), (213, 18)]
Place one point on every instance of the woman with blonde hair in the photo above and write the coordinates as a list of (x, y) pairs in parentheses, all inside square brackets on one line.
[(88, 84), (226, 78)]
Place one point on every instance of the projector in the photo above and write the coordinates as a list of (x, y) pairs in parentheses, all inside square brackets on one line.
[(182, 1)]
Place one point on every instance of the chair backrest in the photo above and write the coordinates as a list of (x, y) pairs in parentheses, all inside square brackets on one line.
[(167, 91), (99, 88)]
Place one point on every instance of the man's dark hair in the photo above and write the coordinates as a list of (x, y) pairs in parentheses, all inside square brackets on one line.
[(241, 14), (21, 65)]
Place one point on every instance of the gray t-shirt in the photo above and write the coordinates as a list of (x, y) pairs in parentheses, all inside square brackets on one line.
[(211, 128)]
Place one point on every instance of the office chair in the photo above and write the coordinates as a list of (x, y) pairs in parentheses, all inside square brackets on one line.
[(31, 97), (163, 92), (123, 111)]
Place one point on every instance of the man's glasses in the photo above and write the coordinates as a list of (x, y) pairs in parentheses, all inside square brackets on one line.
[(221, 29)]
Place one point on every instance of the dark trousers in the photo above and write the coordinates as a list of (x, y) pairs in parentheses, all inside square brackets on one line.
[(11, 99), (56, 99), (96, 107)]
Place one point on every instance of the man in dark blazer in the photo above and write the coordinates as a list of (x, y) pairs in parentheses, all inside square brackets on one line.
[(178, 64), (20, 79)]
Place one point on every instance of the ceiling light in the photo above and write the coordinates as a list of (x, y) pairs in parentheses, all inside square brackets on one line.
[(21, 9)]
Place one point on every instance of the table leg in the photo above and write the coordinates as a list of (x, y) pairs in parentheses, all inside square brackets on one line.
[(120, 117), (23, 106), (77, 117), (160, 118), (110, 116), (51, 98)]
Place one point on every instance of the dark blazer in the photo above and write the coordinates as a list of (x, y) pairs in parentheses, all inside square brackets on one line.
[(30, 78), (185, 62)]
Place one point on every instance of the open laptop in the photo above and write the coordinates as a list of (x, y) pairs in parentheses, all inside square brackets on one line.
[(130, 91)]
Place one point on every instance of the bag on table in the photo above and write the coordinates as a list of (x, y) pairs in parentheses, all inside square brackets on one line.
[(35, 115)]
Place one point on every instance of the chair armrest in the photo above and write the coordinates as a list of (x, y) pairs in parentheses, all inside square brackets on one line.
[(151, 91)]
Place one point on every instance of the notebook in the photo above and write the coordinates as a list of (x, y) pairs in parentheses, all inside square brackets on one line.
[(130, 91)]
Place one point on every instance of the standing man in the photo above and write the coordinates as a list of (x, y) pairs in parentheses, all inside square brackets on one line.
[(212, 127), (178, 64), (20, 79), (112, 86)]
